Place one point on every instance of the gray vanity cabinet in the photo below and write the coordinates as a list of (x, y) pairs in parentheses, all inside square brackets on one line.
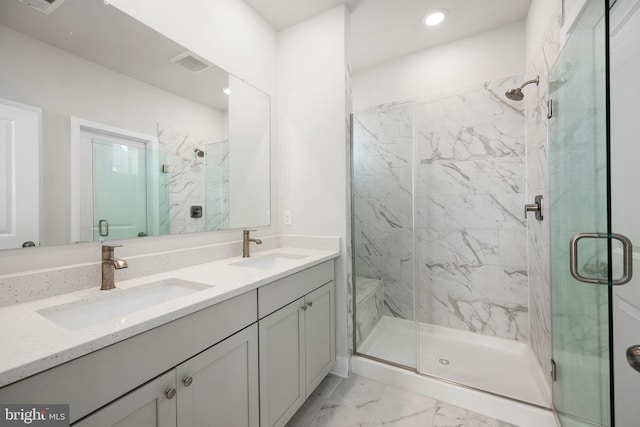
[(217, 387), (248, 361), (147, 406), (193, 345), (297, 341), (319, 324), (282, 354)]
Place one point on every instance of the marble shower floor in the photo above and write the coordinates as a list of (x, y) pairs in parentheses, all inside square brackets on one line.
[(500, 366), (359, 401)]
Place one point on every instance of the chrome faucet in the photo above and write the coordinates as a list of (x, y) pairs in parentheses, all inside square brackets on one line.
[(246, 240), (109, 265)]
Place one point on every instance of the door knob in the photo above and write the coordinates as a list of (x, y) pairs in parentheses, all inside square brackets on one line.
[(633, 357), (170, 393)]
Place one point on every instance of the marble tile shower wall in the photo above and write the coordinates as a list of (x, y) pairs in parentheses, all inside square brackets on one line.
[(186, 178), (217, 186), (459, 162), (538, 183)]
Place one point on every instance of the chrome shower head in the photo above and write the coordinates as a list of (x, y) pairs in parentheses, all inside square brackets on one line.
[(516, 94), (199, 152)]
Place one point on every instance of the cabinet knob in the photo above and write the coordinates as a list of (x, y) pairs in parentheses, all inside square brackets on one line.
[(170, 393), (304, 308), (187, 381), (309, 304)]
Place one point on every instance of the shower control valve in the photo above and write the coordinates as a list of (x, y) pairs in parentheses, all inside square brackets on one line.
[(535, 207)]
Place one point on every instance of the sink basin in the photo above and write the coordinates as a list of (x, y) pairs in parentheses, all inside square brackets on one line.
[(269, 261), (118, 304)]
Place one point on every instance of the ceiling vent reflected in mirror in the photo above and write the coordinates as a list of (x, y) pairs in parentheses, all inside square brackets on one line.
[(190, 62), (44, 6)]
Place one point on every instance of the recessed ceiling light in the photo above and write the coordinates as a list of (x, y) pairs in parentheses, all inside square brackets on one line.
[(227, 91), (434, 17)]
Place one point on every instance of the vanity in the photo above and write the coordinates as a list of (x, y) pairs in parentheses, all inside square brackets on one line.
[(242, 342), (188, 337)]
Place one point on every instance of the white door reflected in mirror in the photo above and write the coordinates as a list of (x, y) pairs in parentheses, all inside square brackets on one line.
[(19, 175)]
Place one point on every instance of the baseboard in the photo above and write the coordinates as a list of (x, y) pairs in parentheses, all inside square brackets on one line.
[(341, 367)]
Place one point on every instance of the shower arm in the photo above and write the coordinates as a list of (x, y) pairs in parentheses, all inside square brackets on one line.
[(528, 82)]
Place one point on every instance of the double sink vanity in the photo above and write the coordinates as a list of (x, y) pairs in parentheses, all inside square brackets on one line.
[(233, 342)]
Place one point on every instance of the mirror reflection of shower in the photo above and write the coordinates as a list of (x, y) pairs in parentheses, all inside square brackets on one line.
[(516, 94)]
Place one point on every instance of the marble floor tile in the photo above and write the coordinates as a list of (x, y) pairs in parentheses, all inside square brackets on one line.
[(353, 403), (359, 401), (452, 416), (402, 408), (315, 402)]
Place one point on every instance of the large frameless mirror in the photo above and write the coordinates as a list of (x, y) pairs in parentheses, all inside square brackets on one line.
[(109, 130)]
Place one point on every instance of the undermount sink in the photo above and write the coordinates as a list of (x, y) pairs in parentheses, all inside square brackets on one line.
[(119, 303), (269, 261)]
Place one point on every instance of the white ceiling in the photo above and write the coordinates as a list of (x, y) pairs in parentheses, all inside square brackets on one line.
[(382, 30), (282, 14)]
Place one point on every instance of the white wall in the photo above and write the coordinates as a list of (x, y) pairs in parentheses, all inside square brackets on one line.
[(541, 13), (312, 109), (471, 60), (229, 34)]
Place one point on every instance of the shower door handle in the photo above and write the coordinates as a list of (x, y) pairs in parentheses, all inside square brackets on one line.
[(103, 228), (627, 258), (633, 357)]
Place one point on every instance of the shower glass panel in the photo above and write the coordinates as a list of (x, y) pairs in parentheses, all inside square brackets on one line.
[(119, 190), (383, 223), (578, 204), (130, 191)]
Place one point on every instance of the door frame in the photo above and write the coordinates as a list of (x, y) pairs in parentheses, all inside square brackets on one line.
[(77, 126)]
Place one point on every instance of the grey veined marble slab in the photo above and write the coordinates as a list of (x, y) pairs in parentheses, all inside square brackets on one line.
[(359, 401)]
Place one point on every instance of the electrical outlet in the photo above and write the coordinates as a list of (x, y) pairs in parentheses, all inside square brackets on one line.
[(287, 217)]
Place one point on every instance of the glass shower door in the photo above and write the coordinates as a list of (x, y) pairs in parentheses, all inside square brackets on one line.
[(578, 169), (119, 190), (383, 241)]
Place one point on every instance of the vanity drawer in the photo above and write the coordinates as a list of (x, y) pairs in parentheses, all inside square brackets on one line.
[(277, 294), (93, 380)]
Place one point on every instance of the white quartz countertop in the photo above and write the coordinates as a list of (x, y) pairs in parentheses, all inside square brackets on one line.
[(32, 343)]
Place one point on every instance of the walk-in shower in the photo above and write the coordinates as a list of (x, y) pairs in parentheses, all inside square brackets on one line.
[(440, 243)]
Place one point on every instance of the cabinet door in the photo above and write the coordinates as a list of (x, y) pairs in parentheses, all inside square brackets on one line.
[(282, 388), (219, 387), (147, 406), (320, 335)]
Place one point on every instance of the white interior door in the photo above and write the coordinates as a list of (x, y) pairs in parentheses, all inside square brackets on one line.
[(19, 175), (625, 209)]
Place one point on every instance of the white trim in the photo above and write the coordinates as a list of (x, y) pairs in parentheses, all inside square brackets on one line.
[(570, 20), (341, 367), (78, 125), (620, 13)]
